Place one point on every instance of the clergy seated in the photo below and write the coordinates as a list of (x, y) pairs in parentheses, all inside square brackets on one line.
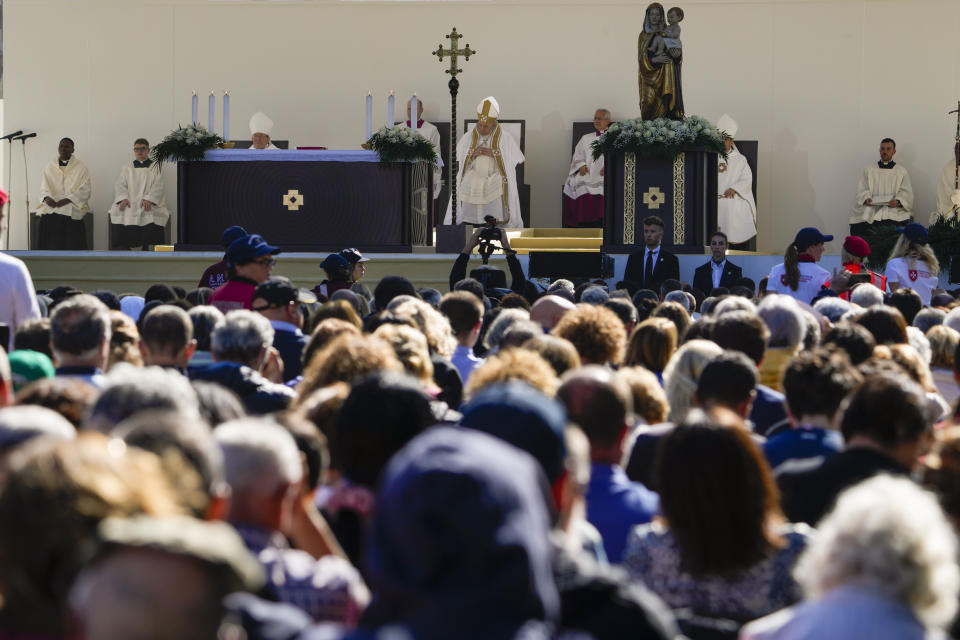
[(64, 196), (583, 189), (884, 193), (139, 213), (736, 206), (948, 195)]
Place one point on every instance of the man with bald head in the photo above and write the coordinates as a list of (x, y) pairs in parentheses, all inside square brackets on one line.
[(600, 403), (549, 309), (583, 189)]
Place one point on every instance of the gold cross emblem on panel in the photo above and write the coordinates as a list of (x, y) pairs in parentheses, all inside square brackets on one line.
[(653, 198), (293, 200)]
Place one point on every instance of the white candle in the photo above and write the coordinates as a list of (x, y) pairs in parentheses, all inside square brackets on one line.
[(226, 116), (195, 108), (368, 131), (211, 105), (390, 111), (413, 112)]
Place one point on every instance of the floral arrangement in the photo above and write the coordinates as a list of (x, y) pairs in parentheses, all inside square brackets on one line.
[(660, 137), (184, 143), (400, 144)]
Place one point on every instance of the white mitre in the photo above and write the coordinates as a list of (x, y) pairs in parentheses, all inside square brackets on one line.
[(728, 125), (488, 109), (260, 123)]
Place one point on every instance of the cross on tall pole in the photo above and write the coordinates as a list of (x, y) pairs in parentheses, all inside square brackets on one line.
[(453, 53)]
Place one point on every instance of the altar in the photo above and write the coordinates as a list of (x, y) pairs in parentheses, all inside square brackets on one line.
[(305, 200)]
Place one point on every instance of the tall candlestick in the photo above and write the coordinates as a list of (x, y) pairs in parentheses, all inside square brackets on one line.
[(226, 116), (369, 129), (413, 112), (195, 100), (390, 111), (211, 105)]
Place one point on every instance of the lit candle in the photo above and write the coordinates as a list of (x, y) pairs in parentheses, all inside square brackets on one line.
[(390, 111), (226, 116), (413, 112), (369, 129), (196, 109), (211, 104)]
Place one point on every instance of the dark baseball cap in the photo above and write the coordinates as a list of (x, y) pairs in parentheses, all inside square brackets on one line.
[(809, 236), (353, 256), (249, 247), (230, 234), (915, 232), (279, 291), (334, 262)]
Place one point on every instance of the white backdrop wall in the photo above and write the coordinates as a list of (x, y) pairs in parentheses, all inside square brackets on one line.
[(817, 83)]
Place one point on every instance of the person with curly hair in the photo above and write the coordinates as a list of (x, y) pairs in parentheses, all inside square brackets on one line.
[(514, 364), (348, 358), (596, 332)]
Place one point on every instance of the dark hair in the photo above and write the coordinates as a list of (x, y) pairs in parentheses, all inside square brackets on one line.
[(382, 413), (217, 403), (816, 382), (141, 141), (668, 285), (675, 313), (885, 323), (391, 287), (199, 296), (722, 515), (853, 339), (624, 310), (161, 292), (702, 329), (890, 140), (167, 330), (471, 285), (598, 402), (721, 234), (651, 344), (653, 221), (728, 379), (742, 331), (79, 324), (108, 298), (558, 352), (311, 443), (204, 319), (70, 397), (514, 301), (887, 408), (70, 140), (907, 301), (791, 266), (34, 334), (462, 309)]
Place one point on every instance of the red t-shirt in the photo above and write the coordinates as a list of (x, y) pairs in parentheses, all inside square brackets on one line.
[(215, 276), (236, 294)]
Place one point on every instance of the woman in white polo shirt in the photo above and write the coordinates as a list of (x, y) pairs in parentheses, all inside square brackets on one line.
[(912, 263), (799, 276)]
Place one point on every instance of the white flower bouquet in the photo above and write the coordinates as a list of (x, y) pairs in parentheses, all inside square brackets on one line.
[(400, 144), (661, 137)]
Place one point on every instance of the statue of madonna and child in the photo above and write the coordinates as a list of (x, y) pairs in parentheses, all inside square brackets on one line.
[(660, 54)]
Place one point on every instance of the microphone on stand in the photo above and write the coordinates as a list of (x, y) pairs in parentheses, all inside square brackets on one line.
[(11, 135), (26, 177), (24, 137)]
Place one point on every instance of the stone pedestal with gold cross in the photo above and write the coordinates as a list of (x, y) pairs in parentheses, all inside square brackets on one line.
[(681, 191)]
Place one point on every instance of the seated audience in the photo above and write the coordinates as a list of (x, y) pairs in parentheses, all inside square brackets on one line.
[(80, 339)]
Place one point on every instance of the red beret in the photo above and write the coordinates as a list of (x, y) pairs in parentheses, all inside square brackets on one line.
[(856, 246)]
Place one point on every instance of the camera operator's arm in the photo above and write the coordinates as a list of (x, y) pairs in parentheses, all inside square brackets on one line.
[(517, 278), (459, 270)]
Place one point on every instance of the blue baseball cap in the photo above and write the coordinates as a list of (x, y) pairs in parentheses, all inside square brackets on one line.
[(334, 262), (809, 236), (915, 232), (247, 248), (230, 234)]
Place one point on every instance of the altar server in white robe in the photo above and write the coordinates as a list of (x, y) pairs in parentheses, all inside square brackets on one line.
[(884, 193), (432, 135), (948, 196), (64, 198), (736, 206), (487, 179), (260, 128), (583, 189), (139, 212)]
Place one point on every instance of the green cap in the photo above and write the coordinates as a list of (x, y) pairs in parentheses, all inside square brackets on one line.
[(27, 366)]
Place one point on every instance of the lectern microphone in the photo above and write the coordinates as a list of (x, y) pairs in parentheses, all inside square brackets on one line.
[(11, 135), (25, 137)]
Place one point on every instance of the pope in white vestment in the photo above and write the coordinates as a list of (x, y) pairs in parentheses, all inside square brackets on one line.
[(64, 198), (432, 135), (487, 179), (139, 207), (948, 196), (882, 185), (736, 206), (583, 188), (260, 128)]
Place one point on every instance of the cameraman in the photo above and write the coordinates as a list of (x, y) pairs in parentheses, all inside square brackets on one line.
[(518, 284)]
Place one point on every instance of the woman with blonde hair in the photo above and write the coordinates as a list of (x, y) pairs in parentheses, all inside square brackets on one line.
[(943, 345), (798, 276), (912, 263), (682, 373)]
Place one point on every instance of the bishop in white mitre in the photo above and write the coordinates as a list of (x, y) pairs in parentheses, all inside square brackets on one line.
[(64, 200), (487, 179), (432, 135), (883, 192), (583, 189), (948, 196), (260, 128), (736, 206), (139, 212)]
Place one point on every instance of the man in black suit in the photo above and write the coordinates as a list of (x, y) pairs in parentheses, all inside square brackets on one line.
[(718, 272), (654, 264)]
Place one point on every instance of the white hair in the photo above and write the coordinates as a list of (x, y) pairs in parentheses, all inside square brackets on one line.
[(129, 390), (928, 318), (502, 324), (561, 283), (832, 308), (241, 336), (594, 295), (888, 535), (733, 303), (680, 298), (919, 342), (682, 373), (258, 455), (952, 319), (866, 295), (785, 320)]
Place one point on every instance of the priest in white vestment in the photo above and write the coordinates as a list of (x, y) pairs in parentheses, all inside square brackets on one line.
[(64, 198), (260, 128), (884, 193), (948, 196), (487, 179), (432, 135), (583, 189), (736, 206), (139, 212)]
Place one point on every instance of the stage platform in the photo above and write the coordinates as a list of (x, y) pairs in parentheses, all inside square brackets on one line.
[(134, 272)]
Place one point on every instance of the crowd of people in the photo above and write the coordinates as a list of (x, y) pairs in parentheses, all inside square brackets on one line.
[(256, 459)]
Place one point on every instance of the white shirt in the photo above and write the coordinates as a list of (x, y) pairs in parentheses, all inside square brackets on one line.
[(812, 278), (912, 274), (716, 270), (18, 300)]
